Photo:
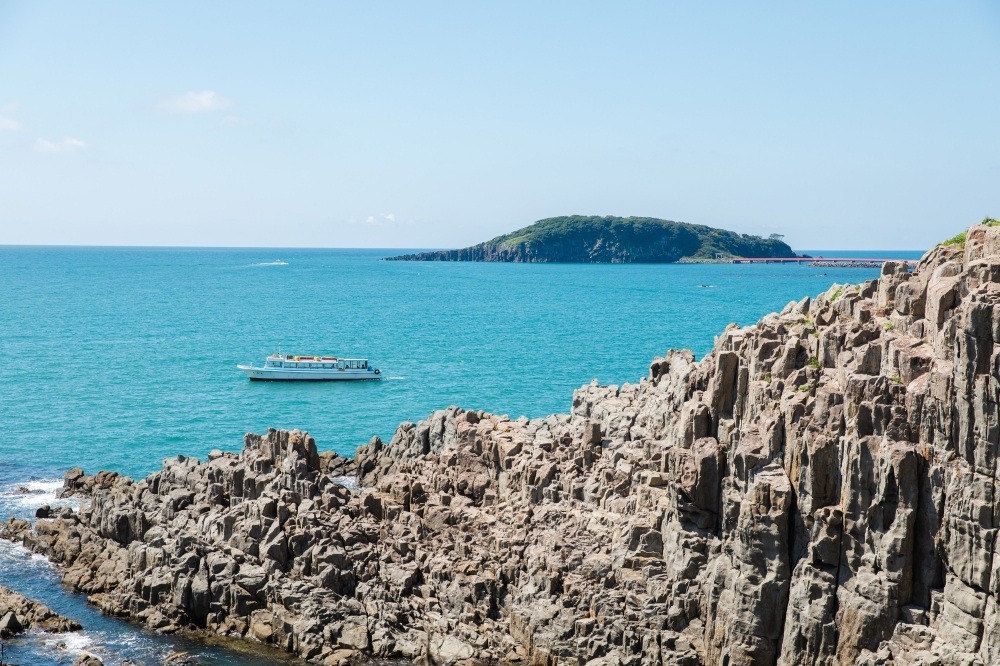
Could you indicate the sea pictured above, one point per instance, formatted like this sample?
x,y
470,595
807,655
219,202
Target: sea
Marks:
x,y
116,358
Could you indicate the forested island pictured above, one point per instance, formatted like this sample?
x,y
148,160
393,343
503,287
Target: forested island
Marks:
x,y
612,240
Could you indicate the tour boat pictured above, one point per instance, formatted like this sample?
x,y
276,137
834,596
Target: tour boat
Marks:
x,y
286,367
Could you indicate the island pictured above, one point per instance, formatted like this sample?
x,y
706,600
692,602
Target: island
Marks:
x,y
613,240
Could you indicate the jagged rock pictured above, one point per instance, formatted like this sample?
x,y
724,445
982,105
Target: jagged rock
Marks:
x,y
819,489
19,613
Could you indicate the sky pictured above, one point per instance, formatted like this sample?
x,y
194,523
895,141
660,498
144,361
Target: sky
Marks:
x,y
441,124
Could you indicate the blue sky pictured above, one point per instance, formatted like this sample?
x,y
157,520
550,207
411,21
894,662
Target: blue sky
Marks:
x,y
426,124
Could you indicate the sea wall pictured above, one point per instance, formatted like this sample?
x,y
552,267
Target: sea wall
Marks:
x,y
819,489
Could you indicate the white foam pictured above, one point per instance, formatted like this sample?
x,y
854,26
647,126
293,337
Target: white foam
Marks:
x,y
395,378
349,482
47,486
35,562
73,641
33,494
276,262
14,549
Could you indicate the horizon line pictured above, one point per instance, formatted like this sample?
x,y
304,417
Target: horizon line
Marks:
x,y
296,247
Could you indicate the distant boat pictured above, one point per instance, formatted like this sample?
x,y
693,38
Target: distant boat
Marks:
x,y
276,262
288,367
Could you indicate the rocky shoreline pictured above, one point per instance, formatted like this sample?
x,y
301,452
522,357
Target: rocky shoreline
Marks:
x,y
19,614
819,489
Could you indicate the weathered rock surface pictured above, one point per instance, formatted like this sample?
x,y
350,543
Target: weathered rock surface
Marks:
x,y
18,613
820,489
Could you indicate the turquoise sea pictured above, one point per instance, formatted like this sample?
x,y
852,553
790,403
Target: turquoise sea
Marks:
x,y
115,358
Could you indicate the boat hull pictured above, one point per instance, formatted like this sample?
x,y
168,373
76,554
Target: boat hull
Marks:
x,y
313,375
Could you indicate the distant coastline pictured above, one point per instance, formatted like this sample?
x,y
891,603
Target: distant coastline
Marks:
x,y
613,240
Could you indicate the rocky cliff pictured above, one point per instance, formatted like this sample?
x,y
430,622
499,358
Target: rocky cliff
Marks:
x,y
819,489
611,240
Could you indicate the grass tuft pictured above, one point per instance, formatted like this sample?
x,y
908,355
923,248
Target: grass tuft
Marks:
x,y
957,239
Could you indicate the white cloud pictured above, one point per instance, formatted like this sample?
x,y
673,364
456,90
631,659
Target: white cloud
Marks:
x,y
67,145
381,220
194,102
9,125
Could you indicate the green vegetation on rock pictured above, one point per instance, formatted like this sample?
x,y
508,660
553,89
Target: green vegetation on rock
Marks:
x,y
595,239
959,239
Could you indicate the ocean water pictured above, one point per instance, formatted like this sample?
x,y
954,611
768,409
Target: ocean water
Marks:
x,y
115,358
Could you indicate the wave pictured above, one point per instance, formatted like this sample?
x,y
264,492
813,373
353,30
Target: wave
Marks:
x,y
395,378
25,561
73,642
33,494
276,262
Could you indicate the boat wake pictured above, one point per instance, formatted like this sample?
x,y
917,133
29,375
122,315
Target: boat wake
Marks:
x,y
389,379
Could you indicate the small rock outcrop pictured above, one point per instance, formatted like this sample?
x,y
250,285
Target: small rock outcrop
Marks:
x,y
820,489
18,613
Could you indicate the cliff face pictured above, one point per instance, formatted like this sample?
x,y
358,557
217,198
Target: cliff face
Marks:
x,y
820,489
611,240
